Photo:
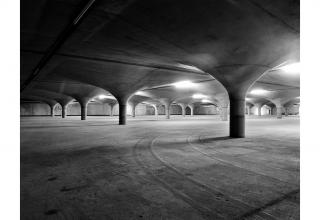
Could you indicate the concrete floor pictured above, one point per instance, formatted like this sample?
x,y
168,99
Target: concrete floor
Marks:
x,y
159,169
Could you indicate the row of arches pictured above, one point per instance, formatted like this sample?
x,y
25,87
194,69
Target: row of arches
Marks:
x,y
98,109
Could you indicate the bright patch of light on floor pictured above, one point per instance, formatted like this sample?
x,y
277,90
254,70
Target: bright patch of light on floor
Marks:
x,y
199,96
258,92
184,84
291,68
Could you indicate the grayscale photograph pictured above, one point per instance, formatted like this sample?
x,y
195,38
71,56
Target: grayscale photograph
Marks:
x,y
159,109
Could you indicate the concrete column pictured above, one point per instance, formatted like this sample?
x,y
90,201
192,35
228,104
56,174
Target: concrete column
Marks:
x,y
191,110
52,110
134,110
122,110
155,110
286,110
248,109
183,108
122,114
111,110
167,110
279,112
84,105
237,117
64,110
258,106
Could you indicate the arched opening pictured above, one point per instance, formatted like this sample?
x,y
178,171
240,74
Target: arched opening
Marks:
x,y
175,110
188,110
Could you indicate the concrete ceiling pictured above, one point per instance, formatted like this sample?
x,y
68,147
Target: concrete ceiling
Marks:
x,y
121,47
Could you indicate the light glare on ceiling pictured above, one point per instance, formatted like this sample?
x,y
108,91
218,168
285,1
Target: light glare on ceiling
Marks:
x,y
205,101
199,96
106,97
139,93
258,92
184,84
291,68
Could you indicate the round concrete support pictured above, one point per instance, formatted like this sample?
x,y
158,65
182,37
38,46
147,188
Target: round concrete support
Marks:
x,y
155,110
167,110
52,110
64,111
111,110
191,110
286,110
84,110
258,106
122,113
237,118
183,110
133,110
279,112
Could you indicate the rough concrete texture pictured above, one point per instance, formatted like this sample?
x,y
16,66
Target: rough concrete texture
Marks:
x,y
183,168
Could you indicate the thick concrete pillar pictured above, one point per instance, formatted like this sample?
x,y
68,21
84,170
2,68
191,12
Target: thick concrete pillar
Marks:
x,y
237,117
134,110
155,110
111,109
279,112
64,110
167,110
258,106
191,110
286,110
183,110
84,105
122,110
52,110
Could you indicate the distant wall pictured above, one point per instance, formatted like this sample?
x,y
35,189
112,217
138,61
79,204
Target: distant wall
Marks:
x,y
205,110
34,109
175,110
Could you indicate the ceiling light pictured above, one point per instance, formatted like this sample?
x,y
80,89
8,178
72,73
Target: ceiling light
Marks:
x,y
102,96
205,101
291,68
139,93
248,99
184,84
199,96
258,92
106,97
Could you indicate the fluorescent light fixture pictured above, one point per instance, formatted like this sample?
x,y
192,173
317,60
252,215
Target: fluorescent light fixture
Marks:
x,y
291,68
189,67
258,92
205,101
199,96
184,84
248,99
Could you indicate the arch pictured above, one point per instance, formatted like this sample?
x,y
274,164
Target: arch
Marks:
x,y
175,109
188,110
